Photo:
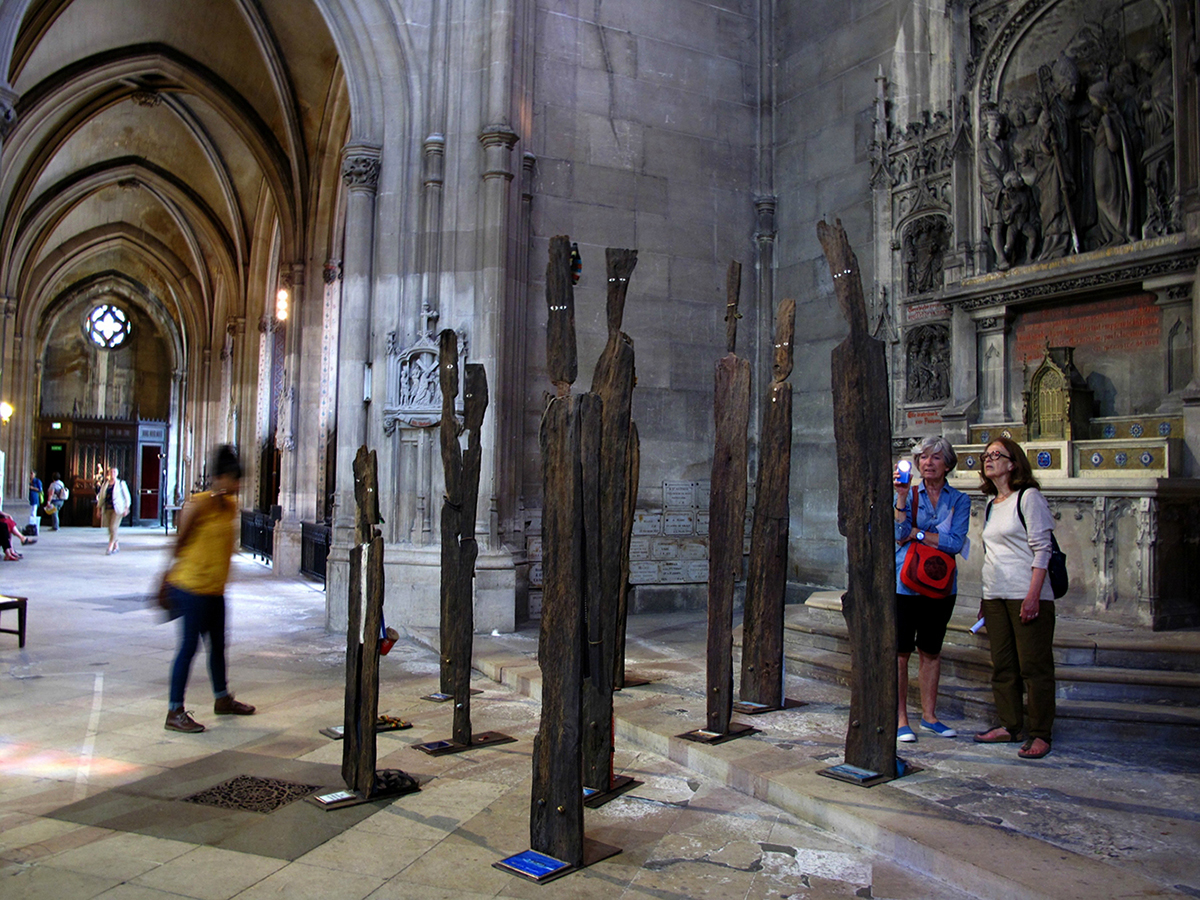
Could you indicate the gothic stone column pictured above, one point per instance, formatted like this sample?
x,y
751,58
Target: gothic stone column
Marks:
x,y
360,172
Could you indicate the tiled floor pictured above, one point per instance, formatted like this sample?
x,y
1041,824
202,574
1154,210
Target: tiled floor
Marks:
x,y
90,783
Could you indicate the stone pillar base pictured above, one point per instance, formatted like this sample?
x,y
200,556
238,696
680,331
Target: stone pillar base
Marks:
x,y
285,556
412,589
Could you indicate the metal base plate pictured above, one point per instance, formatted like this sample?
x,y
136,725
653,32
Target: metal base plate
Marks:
x,y
540,868
594,798
441,697
745,707
338,799
865,777
703,736
383,723
633,679
482,739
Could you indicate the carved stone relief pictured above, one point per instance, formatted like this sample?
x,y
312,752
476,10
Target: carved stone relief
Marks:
x,y
928,364
925,243
414,394
1075,134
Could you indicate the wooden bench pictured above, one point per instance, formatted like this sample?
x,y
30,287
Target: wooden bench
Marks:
x,y
17,603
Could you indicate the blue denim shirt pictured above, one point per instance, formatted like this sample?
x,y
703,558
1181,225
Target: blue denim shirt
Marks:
x,y
951,519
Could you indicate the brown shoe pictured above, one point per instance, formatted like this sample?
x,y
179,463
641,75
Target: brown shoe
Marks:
x,y
227,706
181,720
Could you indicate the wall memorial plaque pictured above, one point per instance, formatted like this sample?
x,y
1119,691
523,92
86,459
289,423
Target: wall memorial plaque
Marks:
x,y
679,494
639,548
703,494
643,572
646,522
672,571
692,549
697,571
677,522
702,522
664,548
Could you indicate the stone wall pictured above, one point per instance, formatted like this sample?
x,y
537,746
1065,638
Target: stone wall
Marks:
x,y
644,118
828,54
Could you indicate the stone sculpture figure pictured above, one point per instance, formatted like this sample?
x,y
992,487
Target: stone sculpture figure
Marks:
x,y
766,583
1112,169
1056,150
612,383
995,163
727,515
459,549
861,416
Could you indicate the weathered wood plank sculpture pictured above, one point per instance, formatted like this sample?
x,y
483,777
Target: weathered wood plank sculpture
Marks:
x,y
862,433
766,584
556,807
362,632
632,474
459,548
612,384
727,516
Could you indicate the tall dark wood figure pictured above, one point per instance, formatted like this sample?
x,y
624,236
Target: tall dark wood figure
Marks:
x,y
612,383
633,469
459,548
727,515
862,433
766,584
362,632
556,804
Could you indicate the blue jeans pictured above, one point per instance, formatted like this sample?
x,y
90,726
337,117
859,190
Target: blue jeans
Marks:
x,y
198,614
58,505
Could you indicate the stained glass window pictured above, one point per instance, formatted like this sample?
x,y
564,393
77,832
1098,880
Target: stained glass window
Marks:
x,y
107,326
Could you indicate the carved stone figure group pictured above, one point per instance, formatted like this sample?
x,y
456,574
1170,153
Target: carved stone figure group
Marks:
x,y
1083,161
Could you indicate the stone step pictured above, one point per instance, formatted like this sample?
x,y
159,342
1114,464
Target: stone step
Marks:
x,y
1159,697
1076,643
1080,681
959,699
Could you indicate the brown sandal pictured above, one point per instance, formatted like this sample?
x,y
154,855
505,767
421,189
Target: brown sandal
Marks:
x,y
997,735
1027,751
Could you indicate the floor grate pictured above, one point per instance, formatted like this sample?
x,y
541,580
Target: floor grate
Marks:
x,y
252,794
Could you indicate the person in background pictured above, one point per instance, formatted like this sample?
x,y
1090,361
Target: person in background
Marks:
x,y
193,588
35,497
114,503
57,497
937,515
9,530
1018,603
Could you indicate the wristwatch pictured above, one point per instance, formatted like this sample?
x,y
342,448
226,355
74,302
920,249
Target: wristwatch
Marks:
x,y
921,536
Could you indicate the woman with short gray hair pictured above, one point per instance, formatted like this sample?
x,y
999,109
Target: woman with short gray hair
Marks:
x,y
930,516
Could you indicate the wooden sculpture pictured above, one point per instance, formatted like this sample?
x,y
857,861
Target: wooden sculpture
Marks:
x,y
862,435
556,807
762,628
607,455
727,518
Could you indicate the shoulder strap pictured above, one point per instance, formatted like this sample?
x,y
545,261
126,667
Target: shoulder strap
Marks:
x,y
1020,512
912,505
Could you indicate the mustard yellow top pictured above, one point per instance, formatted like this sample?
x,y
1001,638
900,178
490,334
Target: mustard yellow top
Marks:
x,y
201,565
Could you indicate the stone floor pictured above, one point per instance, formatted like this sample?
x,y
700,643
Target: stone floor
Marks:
x,y
91,786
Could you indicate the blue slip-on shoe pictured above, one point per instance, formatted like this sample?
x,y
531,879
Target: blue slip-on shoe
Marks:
x,y
939,729
905,735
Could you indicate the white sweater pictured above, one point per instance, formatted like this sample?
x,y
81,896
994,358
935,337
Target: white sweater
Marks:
x,y
1009,553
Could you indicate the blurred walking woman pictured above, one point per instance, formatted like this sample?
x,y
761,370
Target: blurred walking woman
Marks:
x,y
935,515
194,585
1018,603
